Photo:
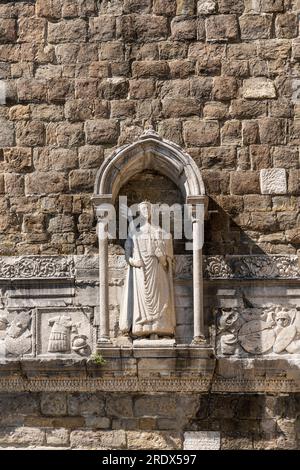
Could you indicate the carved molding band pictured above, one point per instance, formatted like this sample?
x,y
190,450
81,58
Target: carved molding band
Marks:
x,y
252,267
148,385
36,267
215,267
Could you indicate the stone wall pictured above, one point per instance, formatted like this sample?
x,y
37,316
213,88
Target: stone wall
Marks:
x,y
219,78
135,421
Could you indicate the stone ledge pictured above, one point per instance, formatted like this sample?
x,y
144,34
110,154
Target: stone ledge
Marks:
x,y
184,371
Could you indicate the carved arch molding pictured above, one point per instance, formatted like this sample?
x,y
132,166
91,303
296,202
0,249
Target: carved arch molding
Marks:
x,y
151,152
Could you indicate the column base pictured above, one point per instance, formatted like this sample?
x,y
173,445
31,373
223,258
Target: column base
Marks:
x,y
200,341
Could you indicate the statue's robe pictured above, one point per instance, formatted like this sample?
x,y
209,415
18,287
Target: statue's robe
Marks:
x,y
148,302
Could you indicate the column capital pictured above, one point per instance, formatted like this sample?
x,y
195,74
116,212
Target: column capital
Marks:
x,y
200,200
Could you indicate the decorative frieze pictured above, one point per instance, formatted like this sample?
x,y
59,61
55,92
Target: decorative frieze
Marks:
x,y
36,267
252,267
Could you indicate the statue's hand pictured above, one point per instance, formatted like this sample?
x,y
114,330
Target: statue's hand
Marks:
x,y
136,263
163,261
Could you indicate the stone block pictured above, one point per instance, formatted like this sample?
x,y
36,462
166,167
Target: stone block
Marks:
x,y
260,157
201,133
294,182
86,404
61,223
206,7
286,25
57,437
22,436
155,406
255,26
158,440
7,30
185,7
45,183
259,88
101,131
231,6
82,180
54,404
78,110
103,28
164,7
148,69
14,184
273,181
183,29
221,28
271,6
49,8
245,182
120,406
65,134
224,88
231,133
180,107
136,6
31,30
30,134
272,131
31,90
98,439
90,156
60,159
74,30
7,135
141,89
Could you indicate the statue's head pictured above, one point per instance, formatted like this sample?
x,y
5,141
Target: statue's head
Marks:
x,y
145,209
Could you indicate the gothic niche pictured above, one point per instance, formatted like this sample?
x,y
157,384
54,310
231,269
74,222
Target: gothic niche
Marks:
x,y
142,296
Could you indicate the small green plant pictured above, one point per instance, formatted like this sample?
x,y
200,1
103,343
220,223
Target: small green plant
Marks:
x,y
98,359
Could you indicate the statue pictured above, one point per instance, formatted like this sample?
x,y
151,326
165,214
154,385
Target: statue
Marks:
x,y
148,304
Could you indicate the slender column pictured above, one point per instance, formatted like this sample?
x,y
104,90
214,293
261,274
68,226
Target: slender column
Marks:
x,y
198,236
103,281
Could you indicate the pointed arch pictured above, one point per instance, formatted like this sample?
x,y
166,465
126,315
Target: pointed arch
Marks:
x,y
150,152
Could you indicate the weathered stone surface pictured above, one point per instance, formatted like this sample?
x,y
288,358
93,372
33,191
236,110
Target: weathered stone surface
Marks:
x,y
30,134
45,183
245,182
103,28
18,159
98,439
67,31
153,440
255,26
7,133
101,131
273,181
257,88
221,28
53,404
201,133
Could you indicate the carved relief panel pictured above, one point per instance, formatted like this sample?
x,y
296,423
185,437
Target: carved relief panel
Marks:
x,y
270,330
64,332
17,330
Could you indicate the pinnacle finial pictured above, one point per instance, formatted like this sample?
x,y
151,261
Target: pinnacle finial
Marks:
x,y
150,132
